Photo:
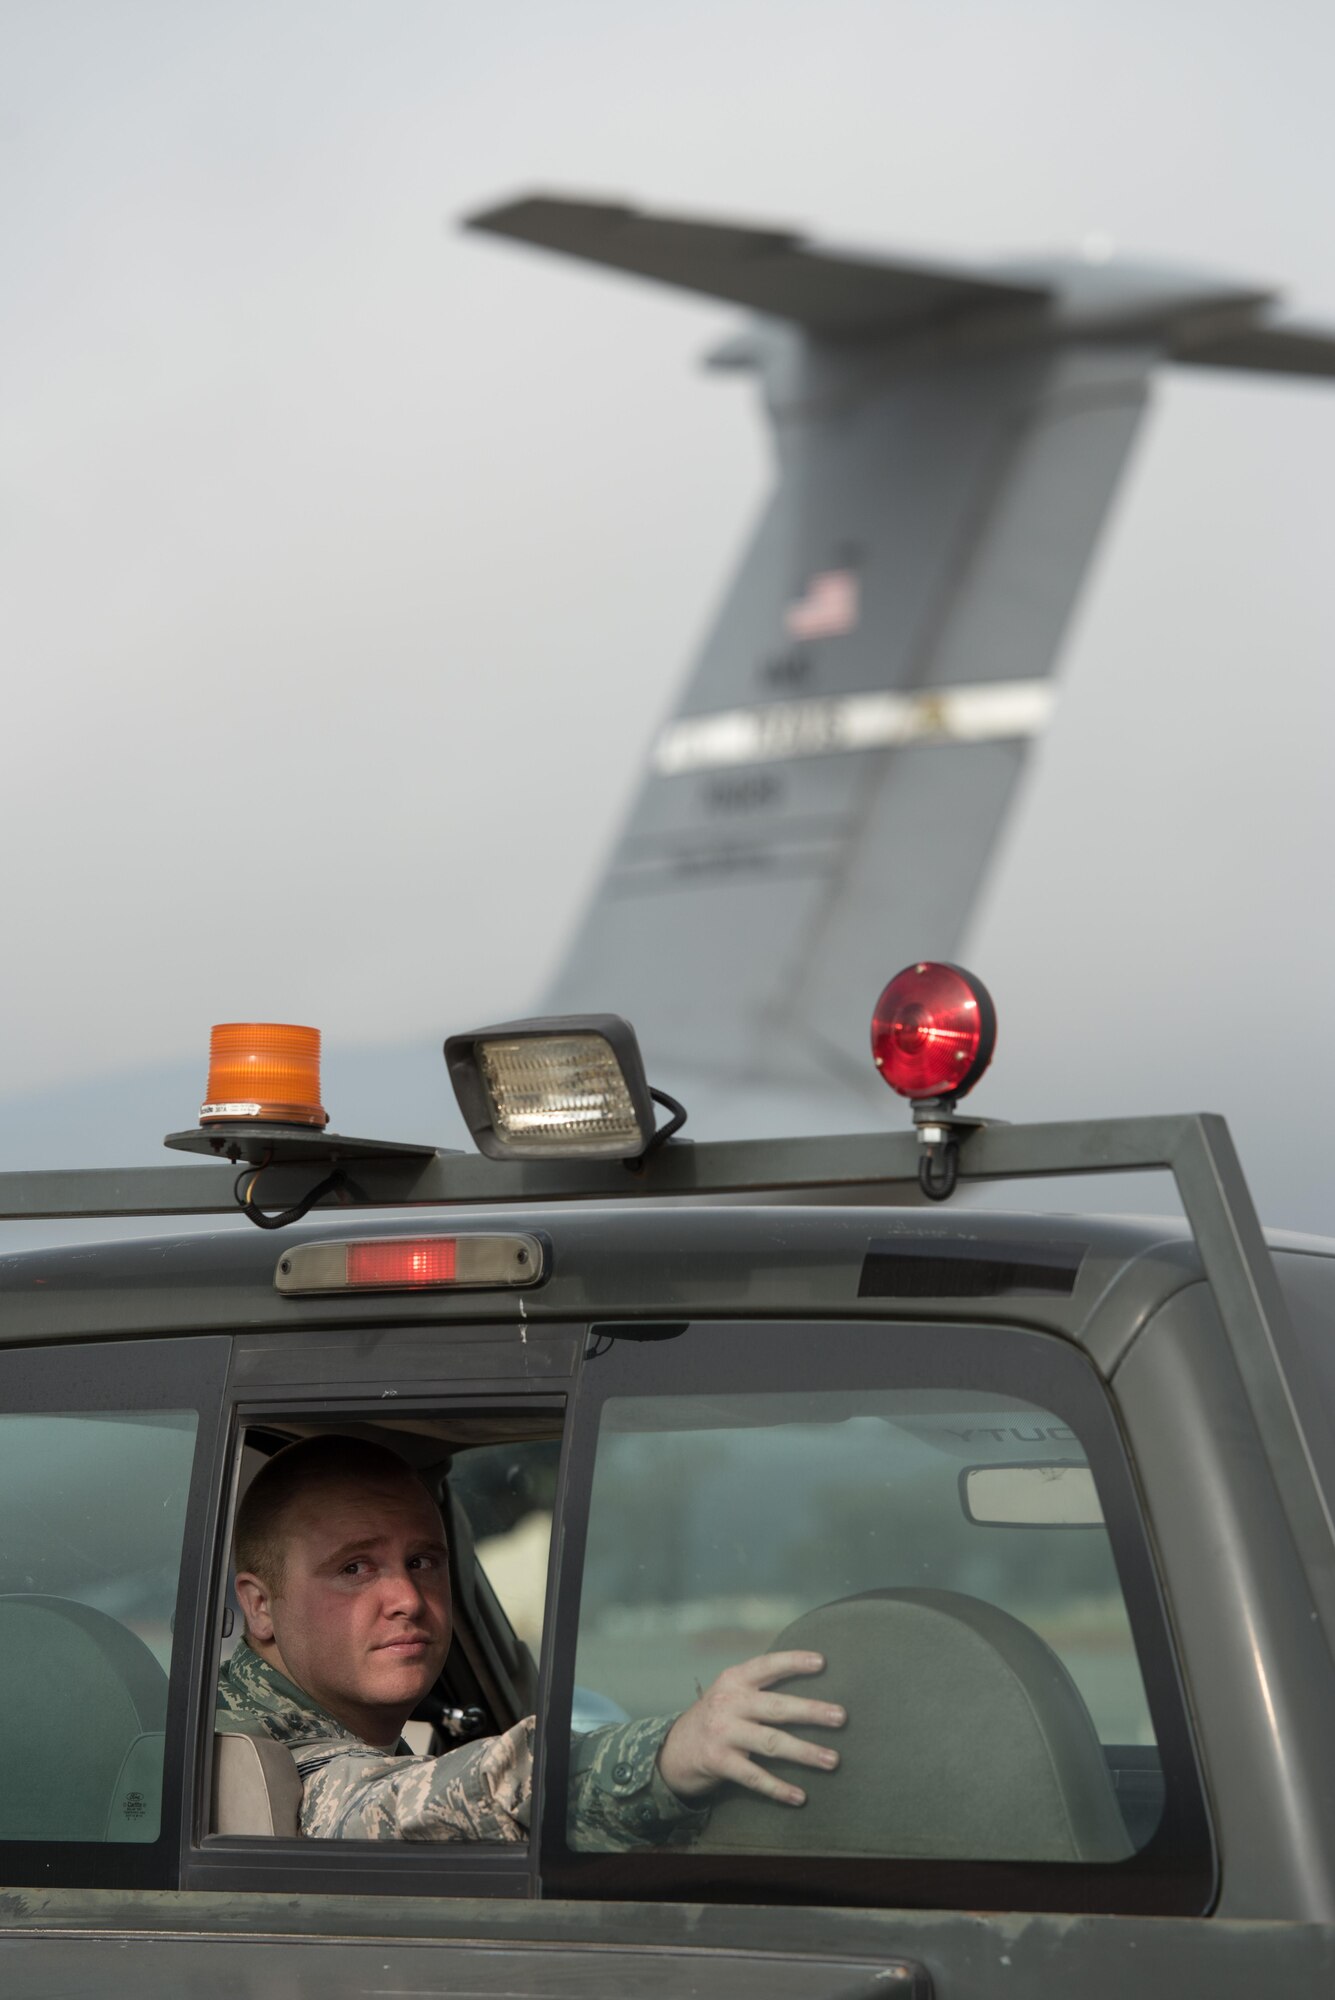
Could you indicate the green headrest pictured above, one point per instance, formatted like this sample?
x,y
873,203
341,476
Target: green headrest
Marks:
x,y
78,1692
966,1739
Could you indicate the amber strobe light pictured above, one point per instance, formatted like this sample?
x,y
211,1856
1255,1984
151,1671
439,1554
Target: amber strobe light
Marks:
x,y
933,1031
264,1070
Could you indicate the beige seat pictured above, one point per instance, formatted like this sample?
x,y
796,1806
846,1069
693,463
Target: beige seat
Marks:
x,y
966,1739
256,1788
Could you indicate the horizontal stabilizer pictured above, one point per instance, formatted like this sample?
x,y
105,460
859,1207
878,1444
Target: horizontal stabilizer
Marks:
x,y
766,270
1268,350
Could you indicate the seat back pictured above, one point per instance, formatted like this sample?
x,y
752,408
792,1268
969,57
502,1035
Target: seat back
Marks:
x,y
83,1706
256,1785
966,1739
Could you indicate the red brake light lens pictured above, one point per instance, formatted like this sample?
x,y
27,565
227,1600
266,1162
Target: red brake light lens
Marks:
x,y
432,1261
478,1259
933,1031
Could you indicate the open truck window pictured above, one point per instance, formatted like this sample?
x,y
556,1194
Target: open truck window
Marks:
x,y
490,1472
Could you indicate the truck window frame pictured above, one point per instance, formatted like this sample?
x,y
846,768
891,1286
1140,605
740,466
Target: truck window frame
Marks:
x,y
301,1866
131,1376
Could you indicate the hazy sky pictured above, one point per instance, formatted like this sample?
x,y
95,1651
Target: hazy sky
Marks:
x,y
347,563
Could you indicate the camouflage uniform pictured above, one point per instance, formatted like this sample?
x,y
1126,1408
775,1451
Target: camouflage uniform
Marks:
x,y
481,1792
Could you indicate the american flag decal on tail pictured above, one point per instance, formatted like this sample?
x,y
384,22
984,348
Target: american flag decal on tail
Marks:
x,y
827,607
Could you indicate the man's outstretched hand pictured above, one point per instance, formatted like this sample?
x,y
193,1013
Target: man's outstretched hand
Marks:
x,y
738,1718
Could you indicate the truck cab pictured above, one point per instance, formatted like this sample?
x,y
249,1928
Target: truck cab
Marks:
x,y
1049,1494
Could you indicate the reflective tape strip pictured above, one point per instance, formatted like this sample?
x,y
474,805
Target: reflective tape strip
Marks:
x,y
992,711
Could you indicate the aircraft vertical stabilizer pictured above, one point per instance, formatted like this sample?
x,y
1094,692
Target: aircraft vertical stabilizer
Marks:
x,y
822,804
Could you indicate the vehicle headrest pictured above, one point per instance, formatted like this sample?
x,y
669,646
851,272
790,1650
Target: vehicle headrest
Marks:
x,y
77,1692
966,1739
256,1784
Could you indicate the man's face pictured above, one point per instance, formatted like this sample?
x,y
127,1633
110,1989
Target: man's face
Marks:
x,y
361,1616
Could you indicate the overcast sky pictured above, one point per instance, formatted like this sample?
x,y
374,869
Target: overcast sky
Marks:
x,y
347,563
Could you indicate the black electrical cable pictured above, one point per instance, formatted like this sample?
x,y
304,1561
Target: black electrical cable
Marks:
x,y
938,1171
280,1218
664,1132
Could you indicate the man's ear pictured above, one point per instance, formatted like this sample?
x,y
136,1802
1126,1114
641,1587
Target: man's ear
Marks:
x,y
256,1605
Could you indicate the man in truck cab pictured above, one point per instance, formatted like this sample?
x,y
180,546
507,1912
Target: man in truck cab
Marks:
x,y
343,1577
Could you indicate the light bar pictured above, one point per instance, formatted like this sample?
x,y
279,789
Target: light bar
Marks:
x,y
411,1264
564,1087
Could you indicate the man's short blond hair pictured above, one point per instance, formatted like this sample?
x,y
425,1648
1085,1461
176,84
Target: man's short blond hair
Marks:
x,y
312,1464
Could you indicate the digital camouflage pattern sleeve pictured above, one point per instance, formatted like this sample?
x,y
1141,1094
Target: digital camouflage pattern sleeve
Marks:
x,y
479,1792
353,1791
618,1797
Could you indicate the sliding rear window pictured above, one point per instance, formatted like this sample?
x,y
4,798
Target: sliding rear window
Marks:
x,y
943,1513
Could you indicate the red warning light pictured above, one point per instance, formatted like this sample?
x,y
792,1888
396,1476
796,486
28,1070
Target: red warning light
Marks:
x,y
398,1264
933,1031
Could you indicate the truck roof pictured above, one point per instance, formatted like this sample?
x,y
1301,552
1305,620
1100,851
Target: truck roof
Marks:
x,y
1092,1279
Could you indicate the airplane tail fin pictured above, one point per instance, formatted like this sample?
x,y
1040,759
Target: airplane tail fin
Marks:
x,y
822,805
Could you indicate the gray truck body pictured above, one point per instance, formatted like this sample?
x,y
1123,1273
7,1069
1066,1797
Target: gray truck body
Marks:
x,y
1208,1348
